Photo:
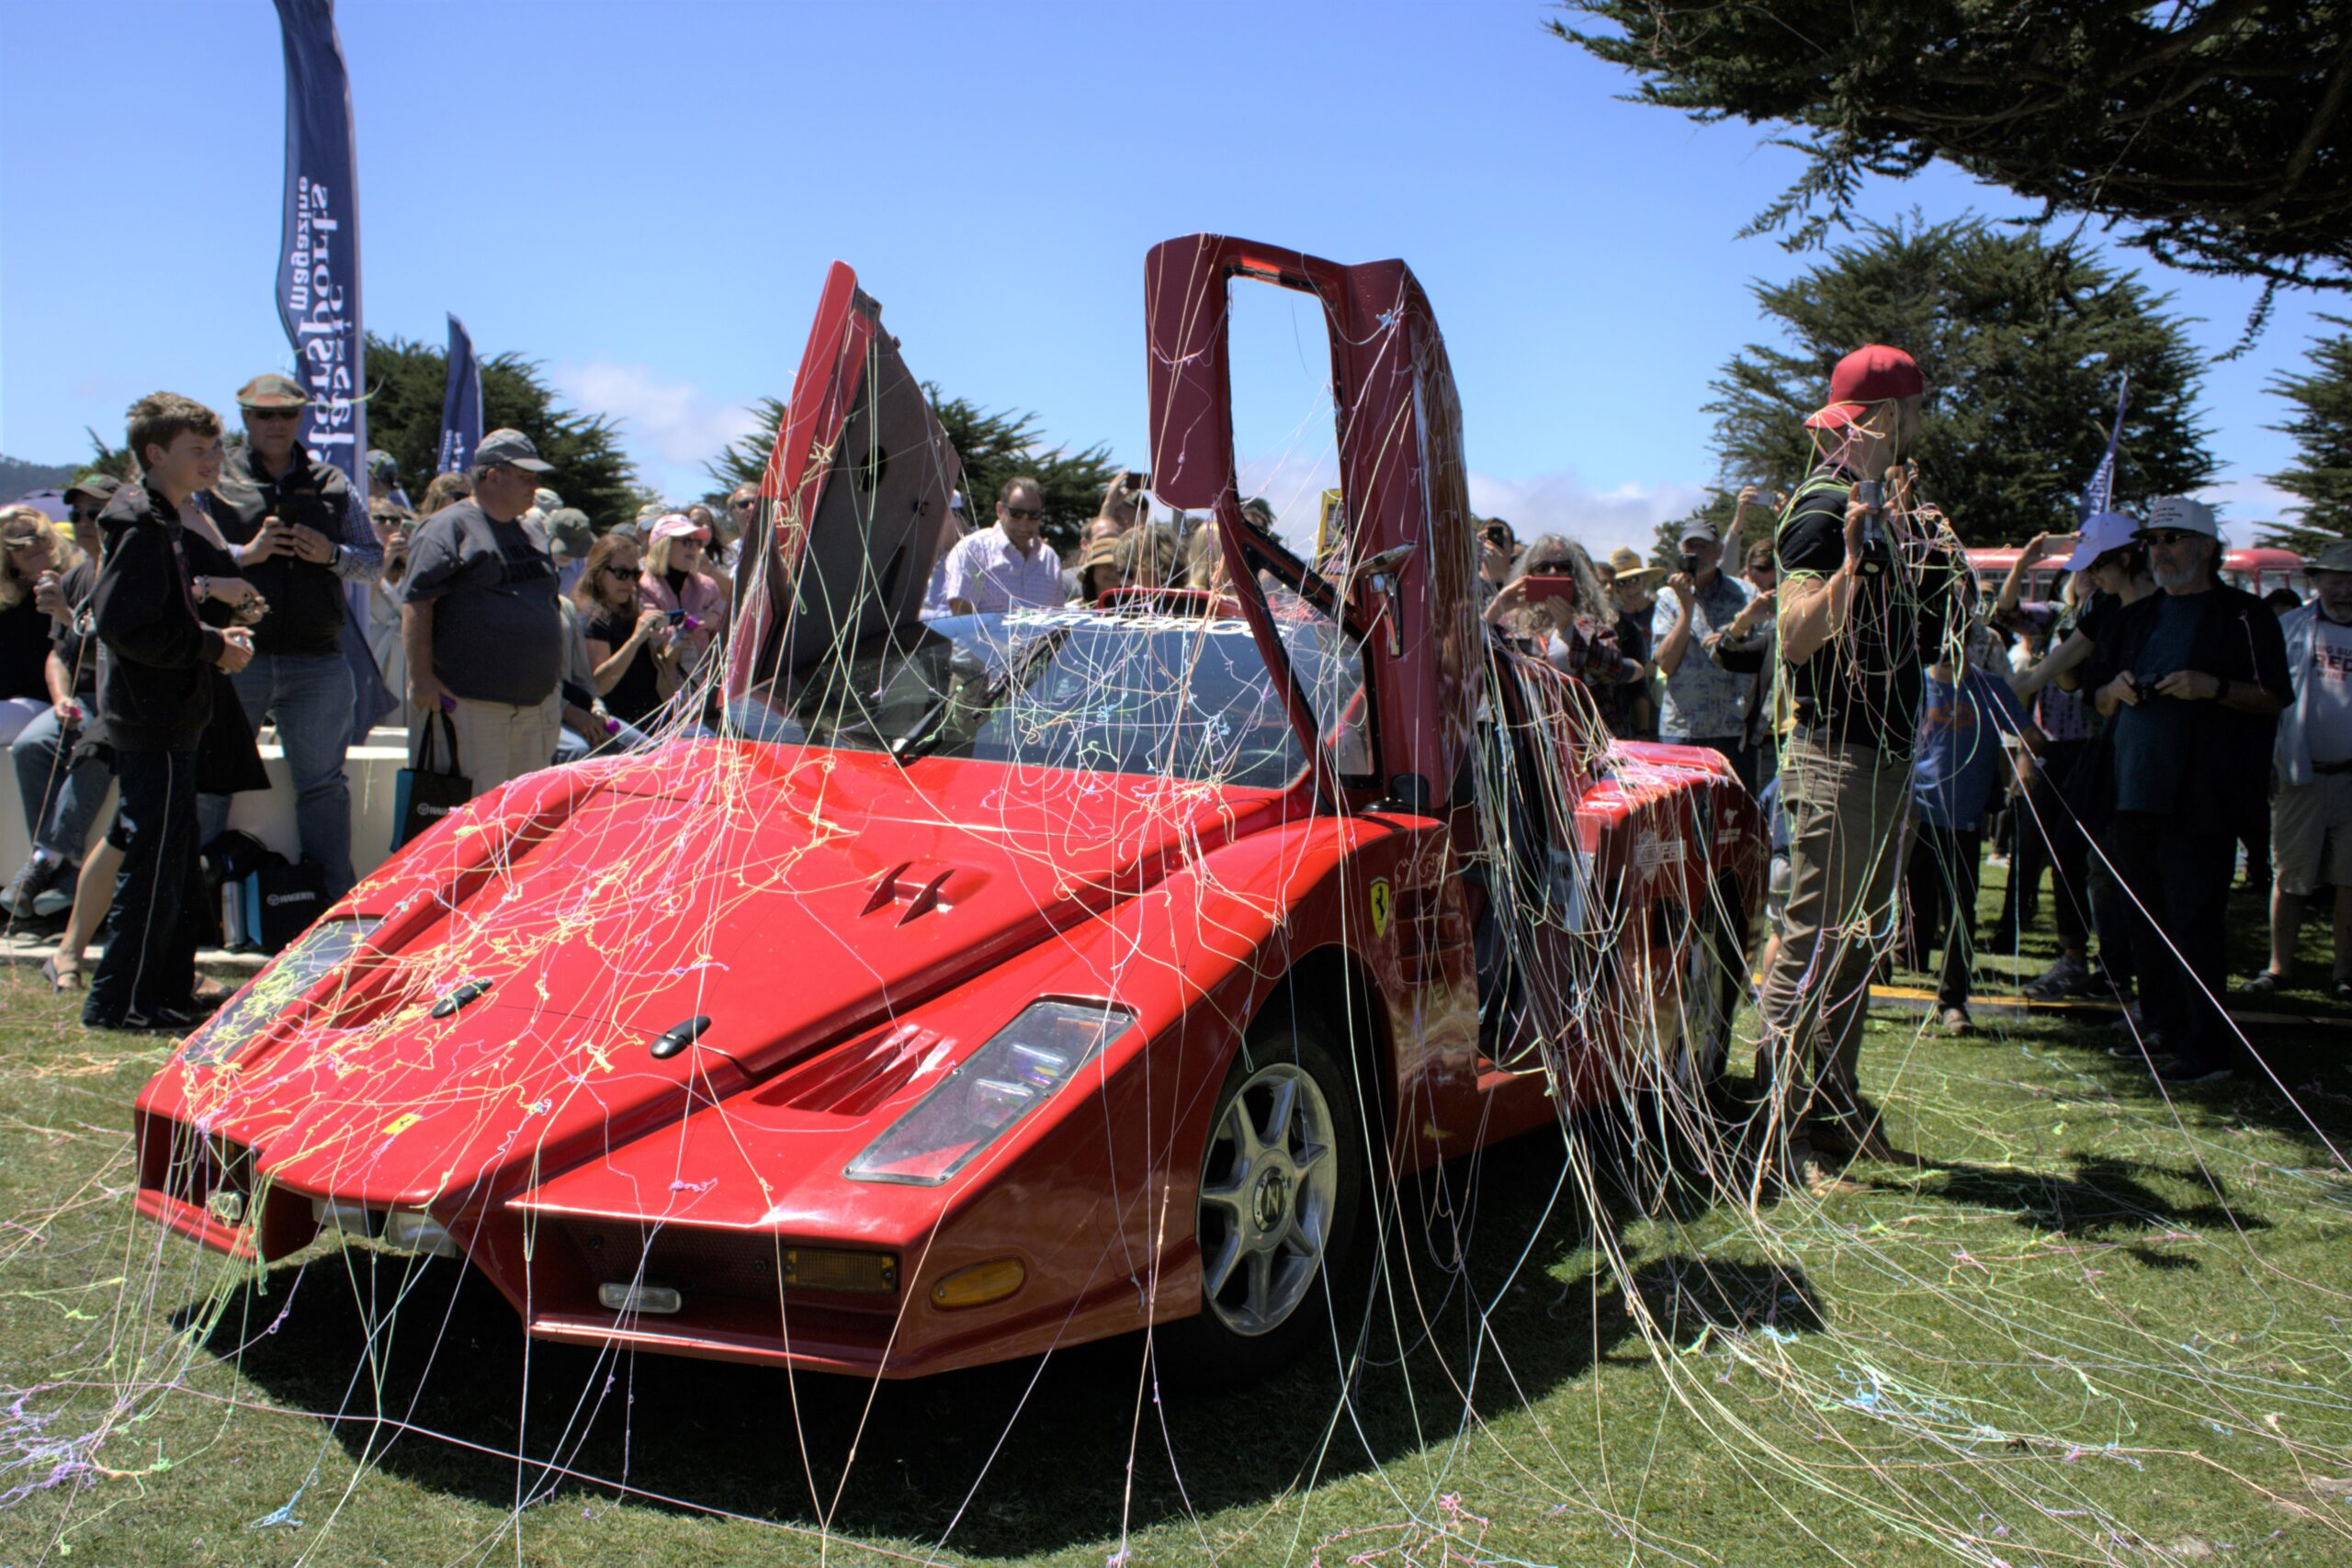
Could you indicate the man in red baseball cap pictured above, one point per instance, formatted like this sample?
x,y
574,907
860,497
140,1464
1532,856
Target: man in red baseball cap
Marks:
x,y
1868,375
1866,603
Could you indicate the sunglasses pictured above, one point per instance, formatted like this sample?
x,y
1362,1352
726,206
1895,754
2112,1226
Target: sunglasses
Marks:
x,y
611,571
1026,514
273,413
1547,566
85,515
743,504
2169,536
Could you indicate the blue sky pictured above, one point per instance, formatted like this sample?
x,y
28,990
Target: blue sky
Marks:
x,y
645,197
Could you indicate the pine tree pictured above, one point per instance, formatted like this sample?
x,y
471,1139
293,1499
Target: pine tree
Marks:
x,y
994,448
2021,343
2214,131
2321,427
406,382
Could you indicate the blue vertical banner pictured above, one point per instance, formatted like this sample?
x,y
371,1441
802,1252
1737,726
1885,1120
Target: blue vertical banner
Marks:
x,y
461,404
318,251
2099,494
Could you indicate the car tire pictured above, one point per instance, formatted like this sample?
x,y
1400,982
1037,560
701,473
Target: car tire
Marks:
x,y
1278,1212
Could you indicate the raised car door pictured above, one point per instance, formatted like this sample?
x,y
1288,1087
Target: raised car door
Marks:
x,y
854,506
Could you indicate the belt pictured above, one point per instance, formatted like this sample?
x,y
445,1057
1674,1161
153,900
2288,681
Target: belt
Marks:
x,y
2343,767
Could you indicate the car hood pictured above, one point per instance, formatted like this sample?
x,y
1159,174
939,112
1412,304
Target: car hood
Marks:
x,y
789,897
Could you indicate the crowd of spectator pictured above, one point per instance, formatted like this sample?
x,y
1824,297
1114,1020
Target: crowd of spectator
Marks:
x,y
2119,735
227,588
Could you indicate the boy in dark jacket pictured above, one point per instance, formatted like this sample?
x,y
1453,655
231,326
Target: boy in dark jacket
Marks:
x,y
154,698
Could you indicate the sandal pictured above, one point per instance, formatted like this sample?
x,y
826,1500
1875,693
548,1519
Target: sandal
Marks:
x,y
62,973
210,993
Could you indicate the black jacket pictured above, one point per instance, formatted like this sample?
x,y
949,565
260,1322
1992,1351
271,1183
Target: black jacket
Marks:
x,y
2224,761
155,655
306,602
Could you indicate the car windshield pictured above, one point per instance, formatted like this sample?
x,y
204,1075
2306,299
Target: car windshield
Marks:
x,y
1170,696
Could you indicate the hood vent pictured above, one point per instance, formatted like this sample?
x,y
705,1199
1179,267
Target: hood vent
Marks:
x,y
852,1080
896,886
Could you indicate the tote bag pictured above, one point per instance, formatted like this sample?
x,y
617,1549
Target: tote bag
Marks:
x,y
428,792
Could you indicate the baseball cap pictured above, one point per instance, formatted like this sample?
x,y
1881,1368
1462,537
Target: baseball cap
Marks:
x,y
98,489
1872,373
380,464
546,501
271,391
2337,557
2177,512
1699,528
2102,532
510,446
568,527
678,525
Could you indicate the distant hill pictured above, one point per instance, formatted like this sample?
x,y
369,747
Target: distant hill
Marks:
x,y
18,477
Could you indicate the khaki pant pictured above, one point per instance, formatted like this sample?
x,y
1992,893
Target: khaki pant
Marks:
x,y
498,741
1846,806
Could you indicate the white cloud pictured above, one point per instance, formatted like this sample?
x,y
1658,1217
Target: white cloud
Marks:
x,y
1599,520
669,428
2246,506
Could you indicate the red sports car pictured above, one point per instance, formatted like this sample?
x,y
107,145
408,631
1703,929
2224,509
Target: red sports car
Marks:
x,y
998,981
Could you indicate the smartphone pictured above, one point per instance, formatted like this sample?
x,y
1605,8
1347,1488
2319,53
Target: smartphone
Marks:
x,y
674,617
1544,585
1135,480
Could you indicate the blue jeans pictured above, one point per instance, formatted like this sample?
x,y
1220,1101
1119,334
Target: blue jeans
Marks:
x,y
309,699
61,801
149,961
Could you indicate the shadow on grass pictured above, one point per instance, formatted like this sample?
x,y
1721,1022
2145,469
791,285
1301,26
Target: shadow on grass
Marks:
x,y
2098,1197
1024,1458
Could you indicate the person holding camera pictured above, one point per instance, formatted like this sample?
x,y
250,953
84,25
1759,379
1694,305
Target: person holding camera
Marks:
x,y
1705,703
2192,679
300,533
1498,555
1865,606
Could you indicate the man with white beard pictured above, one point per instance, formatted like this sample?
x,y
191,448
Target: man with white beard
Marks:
x,y
2191,679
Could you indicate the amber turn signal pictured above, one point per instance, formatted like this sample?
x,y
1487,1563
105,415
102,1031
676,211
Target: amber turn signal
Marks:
x,y
979,1284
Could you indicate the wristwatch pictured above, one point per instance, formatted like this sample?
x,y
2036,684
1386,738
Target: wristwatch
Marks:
x,y
202,587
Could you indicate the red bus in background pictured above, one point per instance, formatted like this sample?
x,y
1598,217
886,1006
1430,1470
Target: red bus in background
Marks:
x,y
2258,571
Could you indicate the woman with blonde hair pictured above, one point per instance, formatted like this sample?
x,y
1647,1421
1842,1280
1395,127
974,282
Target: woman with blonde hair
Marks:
x,y
34,559
676,582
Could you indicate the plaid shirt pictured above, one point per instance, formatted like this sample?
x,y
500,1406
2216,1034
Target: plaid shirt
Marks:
x,y
1704,701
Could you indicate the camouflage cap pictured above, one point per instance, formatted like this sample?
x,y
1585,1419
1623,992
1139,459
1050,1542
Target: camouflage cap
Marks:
x,y
569,528
271,391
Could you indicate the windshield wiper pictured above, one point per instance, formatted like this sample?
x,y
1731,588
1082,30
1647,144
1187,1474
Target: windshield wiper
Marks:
x,y
927,729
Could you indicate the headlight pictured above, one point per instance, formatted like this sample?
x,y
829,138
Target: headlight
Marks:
x,y
279,986
993,1089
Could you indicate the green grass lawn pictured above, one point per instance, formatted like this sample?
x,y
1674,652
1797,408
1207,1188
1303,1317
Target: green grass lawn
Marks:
x,y
2074,1324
